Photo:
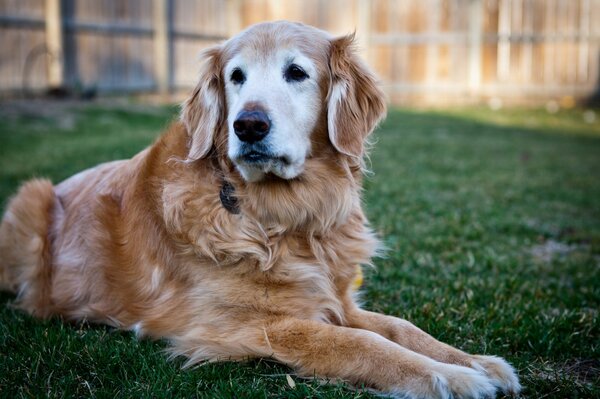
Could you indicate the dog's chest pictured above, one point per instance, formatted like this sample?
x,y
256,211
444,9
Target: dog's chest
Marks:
x,y
293,288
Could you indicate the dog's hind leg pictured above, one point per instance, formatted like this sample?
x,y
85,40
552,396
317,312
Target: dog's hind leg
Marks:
x,y
25,248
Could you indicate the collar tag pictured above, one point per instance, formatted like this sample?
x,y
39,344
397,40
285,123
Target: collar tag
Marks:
x,y
228,199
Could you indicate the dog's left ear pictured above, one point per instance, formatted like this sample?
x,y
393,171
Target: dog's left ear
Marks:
x,y
203,112
355,102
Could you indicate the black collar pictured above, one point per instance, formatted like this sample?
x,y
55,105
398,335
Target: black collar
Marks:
x,y
228,199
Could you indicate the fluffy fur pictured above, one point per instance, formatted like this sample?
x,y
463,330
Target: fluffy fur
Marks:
x,y
145,244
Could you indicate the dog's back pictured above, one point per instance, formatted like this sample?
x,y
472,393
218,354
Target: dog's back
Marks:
x,y
50,236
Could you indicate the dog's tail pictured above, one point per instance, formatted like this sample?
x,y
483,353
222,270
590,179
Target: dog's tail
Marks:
x,y
25,247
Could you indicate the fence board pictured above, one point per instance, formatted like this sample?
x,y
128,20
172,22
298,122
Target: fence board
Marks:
x,y
520,49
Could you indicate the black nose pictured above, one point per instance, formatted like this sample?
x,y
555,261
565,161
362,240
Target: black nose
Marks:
x,y
251,126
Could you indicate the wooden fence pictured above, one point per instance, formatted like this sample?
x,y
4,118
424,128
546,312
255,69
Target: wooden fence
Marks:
x,y
424,50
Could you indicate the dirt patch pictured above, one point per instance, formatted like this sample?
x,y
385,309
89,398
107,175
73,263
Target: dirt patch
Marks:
x,y
552,249
581,371
58,109
38,108
587,370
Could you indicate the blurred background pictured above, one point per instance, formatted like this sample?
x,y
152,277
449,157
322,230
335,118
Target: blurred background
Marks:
x,y
426,51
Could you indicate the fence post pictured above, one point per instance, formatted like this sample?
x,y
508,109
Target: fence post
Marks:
x,y
584,41
162,53
474,42
54,43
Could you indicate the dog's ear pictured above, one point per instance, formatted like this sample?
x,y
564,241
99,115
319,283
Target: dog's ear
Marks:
x,y
355,102
203,112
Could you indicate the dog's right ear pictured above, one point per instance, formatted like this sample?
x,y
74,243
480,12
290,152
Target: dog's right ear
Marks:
x,y
203,112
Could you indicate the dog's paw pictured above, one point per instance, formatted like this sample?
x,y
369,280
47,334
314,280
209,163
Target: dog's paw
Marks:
x,y
463,382
449,381
502,374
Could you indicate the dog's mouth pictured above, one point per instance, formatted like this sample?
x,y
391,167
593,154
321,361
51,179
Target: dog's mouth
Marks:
x,y
257,161
254,157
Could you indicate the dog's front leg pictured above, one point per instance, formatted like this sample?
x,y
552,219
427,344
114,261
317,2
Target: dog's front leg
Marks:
x,y
411,337
365,358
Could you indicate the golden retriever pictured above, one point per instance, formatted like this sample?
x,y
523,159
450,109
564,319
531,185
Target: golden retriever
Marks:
x,y
239,232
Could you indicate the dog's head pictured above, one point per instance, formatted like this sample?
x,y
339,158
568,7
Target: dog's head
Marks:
x,y
271,90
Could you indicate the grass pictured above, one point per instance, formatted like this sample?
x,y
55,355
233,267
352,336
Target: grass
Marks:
x,y
492,220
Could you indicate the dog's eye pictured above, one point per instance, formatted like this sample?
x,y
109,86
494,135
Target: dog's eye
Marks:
x,y
295,74
237,76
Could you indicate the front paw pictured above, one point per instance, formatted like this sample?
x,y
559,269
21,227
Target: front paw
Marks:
x,y
446,381
502,374
463,382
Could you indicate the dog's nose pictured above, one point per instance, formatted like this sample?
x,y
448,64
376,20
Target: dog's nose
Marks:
x,y
251,126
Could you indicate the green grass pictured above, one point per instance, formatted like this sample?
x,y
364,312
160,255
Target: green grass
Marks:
x,y
492,220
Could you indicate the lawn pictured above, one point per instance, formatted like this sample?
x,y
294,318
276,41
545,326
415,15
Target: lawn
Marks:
x,y
491,219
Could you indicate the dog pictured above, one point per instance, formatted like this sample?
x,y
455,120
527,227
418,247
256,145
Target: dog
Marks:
x,y
239,233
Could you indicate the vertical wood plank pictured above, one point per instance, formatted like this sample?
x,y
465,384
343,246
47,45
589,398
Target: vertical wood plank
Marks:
x,y
549,47
363,27
527,48
54,43
584,38
474,43
234,20
431,58
393,67
516,19
571,46
504,28
276,9
161,45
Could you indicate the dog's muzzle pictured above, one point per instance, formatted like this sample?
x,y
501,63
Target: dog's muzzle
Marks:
x,y
256,151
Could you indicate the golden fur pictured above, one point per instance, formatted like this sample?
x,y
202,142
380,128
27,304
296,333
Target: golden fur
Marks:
x,y
145,244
